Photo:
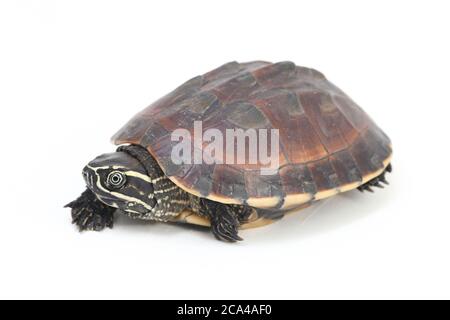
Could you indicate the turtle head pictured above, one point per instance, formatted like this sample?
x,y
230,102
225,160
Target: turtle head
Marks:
x,y
120,181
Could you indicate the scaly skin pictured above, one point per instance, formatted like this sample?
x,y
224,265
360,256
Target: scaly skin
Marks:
x,y
89,213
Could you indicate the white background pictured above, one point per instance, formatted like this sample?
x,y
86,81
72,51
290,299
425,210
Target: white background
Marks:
x,y
73,72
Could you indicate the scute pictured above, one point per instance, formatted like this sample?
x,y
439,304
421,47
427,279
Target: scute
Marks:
x,y
328,144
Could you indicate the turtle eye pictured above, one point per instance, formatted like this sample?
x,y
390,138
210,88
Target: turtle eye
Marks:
x,y
116,180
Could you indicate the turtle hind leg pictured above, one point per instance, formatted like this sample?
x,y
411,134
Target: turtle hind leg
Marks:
x,y
89,213
377,182
224,220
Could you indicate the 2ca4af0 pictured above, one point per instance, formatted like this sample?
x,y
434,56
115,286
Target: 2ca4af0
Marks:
x,y
246,310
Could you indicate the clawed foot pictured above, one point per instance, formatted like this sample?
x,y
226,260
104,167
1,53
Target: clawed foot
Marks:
x,y
376,182
224,221
89,213
225,228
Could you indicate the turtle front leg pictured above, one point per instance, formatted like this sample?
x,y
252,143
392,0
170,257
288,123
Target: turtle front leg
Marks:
x,y
89,213
224,220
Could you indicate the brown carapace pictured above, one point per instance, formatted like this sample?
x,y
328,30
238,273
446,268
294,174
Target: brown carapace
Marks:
x,y
328,144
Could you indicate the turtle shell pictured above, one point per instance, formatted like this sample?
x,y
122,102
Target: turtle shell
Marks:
x,y
327,143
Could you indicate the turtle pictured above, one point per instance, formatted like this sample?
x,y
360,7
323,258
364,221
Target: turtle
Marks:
x,y
326,145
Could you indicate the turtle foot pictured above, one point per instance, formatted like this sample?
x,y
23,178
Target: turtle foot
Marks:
x,y
377,182
225,230
89,213
224,221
